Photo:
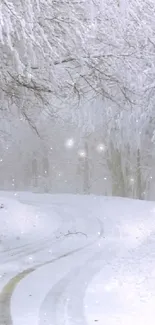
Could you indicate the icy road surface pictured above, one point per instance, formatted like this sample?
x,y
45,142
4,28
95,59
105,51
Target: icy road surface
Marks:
x,y
71,260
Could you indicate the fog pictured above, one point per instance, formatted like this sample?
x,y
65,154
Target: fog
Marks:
x,y
77,97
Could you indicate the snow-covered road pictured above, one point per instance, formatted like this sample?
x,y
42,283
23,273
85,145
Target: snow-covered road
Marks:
x,y
88,260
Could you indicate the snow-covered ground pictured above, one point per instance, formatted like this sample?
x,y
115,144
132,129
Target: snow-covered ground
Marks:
x,y
68,260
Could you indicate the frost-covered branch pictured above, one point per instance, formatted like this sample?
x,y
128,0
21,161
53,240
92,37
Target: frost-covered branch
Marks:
x,y
45,40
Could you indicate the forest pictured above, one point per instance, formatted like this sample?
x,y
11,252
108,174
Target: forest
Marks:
x,y
77,92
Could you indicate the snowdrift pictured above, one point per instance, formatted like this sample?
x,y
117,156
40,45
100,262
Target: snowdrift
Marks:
x,y
19,221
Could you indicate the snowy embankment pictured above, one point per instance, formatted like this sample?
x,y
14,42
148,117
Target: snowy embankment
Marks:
x,y
24,229
88,259
17,221
23,226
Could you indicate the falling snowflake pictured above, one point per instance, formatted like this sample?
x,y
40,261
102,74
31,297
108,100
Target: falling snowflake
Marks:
x,y
82,153
101,147
69,143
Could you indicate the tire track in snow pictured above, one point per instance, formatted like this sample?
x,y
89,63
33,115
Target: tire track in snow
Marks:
x,y
38,245
44,244
5,295
19,249
64,304
70,253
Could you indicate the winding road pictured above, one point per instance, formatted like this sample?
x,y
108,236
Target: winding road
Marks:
x,y
52,286
57,261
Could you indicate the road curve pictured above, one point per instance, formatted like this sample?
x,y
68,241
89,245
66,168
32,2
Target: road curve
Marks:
x,y
55,292
34,288
67,242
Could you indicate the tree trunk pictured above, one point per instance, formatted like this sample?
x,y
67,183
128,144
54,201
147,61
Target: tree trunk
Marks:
x,y
35,172
86,180
46,173
139,177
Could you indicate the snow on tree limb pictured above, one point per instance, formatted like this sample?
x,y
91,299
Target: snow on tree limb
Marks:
x,y
65,50
40,35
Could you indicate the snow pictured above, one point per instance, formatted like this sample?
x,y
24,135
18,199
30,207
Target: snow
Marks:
x,y
89,259
20,220
69,143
